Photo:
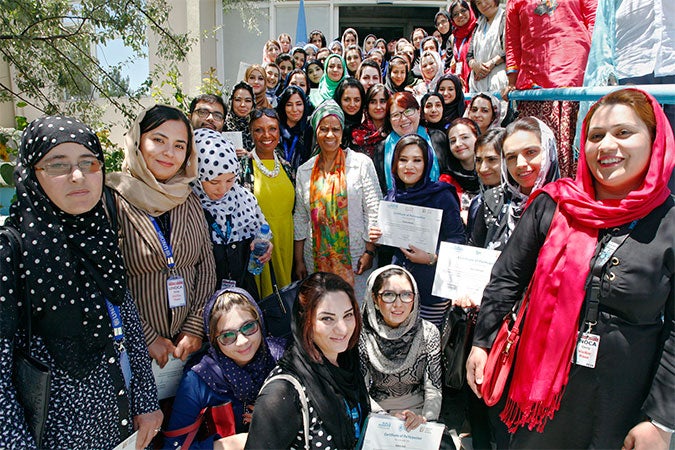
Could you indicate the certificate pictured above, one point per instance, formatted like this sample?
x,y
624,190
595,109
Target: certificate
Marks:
x,y
234,137
385,432
463,270
168,378
405,225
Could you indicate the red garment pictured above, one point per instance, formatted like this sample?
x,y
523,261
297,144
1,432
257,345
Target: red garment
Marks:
x,y
557,288
463,37
547,41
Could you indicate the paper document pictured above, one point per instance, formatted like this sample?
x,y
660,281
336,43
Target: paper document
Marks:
x,y
387,432
405,225
235,138
463,270
168,378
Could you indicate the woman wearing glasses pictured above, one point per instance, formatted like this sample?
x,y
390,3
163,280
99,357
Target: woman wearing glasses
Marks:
x,y
271,179
238,116
163,234
400,352
232,369
410,172
403,117
75,274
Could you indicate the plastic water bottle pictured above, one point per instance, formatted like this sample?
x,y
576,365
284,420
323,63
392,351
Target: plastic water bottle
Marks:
x,y
260,245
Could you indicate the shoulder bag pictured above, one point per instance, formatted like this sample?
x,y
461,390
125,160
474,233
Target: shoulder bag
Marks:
x,y
502,354
456,338
304,405
32,377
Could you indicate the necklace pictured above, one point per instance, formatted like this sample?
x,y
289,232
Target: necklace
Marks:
x,y
268,173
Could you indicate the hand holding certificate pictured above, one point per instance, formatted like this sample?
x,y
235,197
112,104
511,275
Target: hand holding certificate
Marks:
x,y
463,270
405,225
168,378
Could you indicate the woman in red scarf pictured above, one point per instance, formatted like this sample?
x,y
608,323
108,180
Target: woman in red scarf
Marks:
x,y
463,23
618,217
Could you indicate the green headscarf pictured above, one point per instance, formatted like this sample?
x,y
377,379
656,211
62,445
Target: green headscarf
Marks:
x,y
327,108
327,86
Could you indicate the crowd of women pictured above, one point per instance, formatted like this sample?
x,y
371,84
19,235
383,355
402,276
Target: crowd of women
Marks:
x,y
112,271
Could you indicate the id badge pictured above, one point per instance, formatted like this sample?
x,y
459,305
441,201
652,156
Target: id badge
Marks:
x,y
175,287
226,284
587,350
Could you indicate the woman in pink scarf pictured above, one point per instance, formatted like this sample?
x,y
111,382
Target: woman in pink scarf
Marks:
x,y
617,218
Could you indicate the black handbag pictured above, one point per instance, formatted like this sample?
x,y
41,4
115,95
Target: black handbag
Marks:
x,y
32,377
277,308
456,341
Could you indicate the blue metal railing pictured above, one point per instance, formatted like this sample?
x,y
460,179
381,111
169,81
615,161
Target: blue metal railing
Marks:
x,y
664,93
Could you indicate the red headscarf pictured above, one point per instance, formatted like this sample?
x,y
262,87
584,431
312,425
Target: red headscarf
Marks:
x,y
557,287
463,39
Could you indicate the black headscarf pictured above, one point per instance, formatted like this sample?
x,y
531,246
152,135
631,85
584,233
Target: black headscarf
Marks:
x,y
456,108
71,263
328,386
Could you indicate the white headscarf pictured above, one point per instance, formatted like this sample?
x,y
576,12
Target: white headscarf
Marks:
x,y
217,156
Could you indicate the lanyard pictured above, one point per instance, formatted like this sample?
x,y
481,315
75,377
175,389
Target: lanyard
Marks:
x,y
608,245
228,229
355,415
118,335
288,153
166,248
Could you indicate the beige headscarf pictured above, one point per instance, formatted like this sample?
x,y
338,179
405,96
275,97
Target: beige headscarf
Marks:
x,y
139,186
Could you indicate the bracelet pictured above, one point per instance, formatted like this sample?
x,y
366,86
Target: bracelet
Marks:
x,y
370,252
432,259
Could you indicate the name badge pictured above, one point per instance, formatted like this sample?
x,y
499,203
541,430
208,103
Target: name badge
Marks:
x,y
225,284
175,287
587,350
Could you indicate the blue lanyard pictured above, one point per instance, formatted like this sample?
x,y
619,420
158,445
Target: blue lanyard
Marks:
x,y
118,335
355,414
288,154
165,244
219,231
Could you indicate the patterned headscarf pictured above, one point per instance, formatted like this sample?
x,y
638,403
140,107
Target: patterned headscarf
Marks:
x,y
222,374
217,156
71,263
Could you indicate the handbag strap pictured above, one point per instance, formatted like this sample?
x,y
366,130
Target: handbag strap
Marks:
x,y
303,400
189,430
16,247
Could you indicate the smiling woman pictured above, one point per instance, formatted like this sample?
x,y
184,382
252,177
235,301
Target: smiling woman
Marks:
x,y
400,352
70,272
324,359
155,206
336,201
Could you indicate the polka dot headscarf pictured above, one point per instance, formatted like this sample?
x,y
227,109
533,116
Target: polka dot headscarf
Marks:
x,y
217,156
70,263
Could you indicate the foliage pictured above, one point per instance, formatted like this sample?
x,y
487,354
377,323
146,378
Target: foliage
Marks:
x,y
48,44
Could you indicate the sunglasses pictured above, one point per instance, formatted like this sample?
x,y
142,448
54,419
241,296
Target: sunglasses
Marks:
x,y
391,296
230,336
269,112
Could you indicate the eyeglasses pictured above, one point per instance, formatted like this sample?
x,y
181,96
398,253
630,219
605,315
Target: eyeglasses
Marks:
x,y
391,296
398,115
269,112
230,336
204,113
57,169
442,21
